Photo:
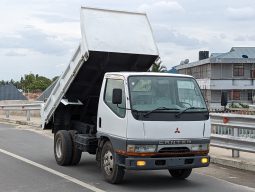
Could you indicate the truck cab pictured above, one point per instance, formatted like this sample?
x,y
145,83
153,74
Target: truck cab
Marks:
x,y
152,121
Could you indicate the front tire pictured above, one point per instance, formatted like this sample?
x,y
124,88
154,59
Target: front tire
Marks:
x,y
180,173
63,147
112,172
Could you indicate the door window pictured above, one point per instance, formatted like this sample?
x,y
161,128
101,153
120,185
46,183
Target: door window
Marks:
x,y
115,84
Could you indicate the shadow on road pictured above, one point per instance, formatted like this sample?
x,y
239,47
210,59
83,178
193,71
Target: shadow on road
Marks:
x,y
136,180
154,180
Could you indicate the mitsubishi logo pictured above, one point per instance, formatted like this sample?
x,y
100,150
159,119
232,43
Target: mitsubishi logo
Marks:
x,y
177,130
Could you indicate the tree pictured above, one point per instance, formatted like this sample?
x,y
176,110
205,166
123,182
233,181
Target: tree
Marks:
x,y
54,78
157,67
30,83
2,82
41,83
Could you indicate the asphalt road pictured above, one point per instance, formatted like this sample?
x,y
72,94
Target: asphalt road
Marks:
x,y
27,164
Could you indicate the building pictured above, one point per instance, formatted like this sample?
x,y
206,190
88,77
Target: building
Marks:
x,y
232,72
10,92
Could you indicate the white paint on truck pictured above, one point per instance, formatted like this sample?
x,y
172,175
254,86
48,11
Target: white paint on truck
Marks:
x,y
103,31
129,120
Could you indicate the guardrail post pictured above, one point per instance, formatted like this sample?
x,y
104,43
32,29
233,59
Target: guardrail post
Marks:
x,y
7,113
235,153
28,115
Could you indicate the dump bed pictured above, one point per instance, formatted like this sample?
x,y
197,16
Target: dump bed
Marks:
x,y
112,41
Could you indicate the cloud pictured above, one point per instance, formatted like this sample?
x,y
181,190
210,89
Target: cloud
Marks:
x,y
164,34
172,54
242,13
35,40
14,53
245,38
162,6
181,29
223,36
161,11
55,18
61,65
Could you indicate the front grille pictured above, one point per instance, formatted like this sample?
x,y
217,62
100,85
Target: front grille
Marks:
x,y
174,150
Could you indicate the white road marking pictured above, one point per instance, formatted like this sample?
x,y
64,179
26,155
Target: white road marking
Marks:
x,y
82,183
69,178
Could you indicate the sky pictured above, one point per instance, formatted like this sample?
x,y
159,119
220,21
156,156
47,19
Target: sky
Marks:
x,y
40,36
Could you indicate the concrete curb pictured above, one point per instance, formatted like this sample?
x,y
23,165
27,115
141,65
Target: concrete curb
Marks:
x,y
20,122
235,163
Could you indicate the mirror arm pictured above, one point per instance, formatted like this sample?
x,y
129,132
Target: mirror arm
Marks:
x,y
123,107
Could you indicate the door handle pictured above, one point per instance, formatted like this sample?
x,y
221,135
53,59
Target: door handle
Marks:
x,y
100,122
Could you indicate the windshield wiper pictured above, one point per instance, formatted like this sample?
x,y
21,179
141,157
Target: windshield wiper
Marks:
x,y
159,109
183,111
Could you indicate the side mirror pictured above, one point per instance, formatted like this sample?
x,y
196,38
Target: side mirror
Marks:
x,y
224,98
117,96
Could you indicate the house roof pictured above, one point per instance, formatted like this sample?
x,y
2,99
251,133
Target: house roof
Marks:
x,y
10,92
238,53
235,55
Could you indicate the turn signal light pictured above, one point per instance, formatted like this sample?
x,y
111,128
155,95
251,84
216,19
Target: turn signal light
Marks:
x,y
204,160
141,163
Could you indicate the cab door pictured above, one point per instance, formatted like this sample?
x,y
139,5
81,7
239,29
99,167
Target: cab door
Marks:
x,y
112,119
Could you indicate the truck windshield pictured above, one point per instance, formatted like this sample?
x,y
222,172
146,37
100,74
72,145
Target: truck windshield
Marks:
x,y
171,94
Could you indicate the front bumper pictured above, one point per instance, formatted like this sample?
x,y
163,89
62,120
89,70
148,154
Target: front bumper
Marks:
x,y
166,163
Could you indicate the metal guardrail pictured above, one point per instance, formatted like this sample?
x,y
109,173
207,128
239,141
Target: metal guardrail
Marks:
x,y
243,111
230,131
21,107
233,131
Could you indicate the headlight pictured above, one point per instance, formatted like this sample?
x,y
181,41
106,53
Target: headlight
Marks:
x,y
141,148
199,147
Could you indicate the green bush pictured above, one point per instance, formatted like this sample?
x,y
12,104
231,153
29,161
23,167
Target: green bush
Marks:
x,y
244,105
234,105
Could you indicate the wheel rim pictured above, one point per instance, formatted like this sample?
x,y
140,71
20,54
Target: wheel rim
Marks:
x,y
59,148
108,163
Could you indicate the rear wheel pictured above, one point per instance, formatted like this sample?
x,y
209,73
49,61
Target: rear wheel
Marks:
x,y
63,147
180,173
111,171
76,153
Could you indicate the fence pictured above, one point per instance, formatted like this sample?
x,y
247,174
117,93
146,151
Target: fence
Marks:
x,y
233,131
243,111
21,107
230,131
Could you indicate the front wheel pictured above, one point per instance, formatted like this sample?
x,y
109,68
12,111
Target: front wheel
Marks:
x,y
180,173
112,172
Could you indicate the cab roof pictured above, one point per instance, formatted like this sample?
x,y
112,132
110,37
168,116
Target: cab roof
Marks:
x,y
127,74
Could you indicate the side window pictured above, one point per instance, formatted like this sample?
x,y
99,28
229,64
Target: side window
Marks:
x,y
238,70
115,84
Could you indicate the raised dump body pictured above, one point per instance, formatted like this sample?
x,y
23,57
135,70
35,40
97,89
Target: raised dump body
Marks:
x,y
112,41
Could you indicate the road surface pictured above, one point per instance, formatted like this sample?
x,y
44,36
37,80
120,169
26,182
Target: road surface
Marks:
x,y
27,164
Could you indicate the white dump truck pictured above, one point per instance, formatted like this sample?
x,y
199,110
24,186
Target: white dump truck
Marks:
x,y
107,104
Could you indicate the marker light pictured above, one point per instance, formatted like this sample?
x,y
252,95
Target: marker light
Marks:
x,y
204,160
141,163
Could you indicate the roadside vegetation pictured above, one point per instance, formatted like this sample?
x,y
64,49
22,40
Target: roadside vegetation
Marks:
x,y
238,105
31,83
158,68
